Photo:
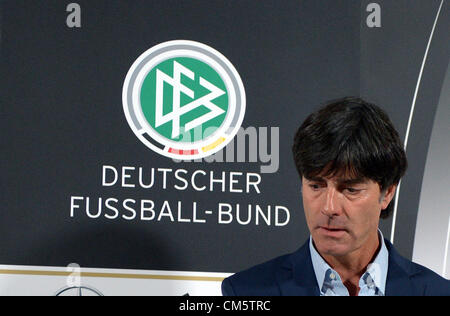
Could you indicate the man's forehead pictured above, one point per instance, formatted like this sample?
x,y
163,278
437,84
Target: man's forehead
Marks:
x,y
338,179
337,172
341,175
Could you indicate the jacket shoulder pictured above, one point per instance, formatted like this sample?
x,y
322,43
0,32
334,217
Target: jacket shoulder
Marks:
x,y
259,280
425,281
432,283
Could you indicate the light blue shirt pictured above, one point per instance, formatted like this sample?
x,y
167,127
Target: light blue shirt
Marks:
x,y
371,283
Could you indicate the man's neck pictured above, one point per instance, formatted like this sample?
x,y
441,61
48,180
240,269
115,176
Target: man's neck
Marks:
x,y
353,265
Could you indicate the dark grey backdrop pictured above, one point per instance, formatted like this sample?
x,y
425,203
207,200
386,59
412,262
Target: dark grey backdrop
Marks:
x,y
62,118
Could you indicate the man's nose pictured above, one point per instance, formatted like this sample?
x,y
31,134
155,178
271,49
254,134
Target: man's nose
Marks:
x,y
332,205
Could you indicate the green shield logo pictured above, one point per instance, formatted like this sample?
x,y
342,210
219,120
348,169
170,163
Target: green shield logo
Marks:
x,y
184,100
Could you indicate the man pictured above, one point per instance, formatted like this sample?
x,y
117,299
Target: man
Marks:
x,y
350,160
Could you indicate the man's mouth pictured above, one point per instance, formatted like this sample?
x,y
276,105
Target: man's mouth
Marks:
x,y
332,231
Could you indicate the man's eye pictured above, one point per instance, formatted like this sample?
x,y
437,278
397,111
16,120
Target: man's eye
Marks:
x,y
314,186
352,190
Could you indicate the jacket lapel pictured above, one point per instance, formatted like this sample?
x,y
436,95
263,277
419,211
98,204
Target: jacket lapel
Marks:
x,y
296,276
400,270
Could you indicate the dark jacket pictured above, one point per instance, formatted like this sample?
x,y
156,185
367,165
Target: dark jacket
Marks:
x,y
293,274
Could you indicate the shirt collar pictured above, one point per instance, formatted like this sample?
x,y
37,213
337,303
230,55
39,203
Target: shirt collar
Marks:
x,y
377,269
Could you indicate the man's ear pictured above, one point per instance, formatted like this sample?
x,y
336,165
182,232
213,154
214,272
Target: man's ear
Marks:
x,y
387,196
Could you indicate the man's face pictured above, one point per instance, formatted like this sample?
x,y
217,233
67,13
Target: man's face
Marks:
x,y
343,213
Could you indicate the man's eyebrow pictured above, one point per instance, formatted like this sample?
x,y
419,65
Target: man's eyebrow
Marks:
x,y
315,179
352,181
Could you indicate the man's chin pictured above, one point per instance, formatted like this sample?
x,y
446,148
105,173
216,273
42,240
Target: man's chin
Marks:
x,y
331,246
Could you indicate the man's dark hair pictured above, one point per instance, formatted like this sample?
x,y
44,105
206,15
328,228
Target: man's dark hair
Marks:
x,y
352,137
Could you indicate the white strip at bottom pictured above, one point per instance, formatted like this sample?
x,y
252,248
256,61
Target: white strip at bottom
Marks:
x,y
72,280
